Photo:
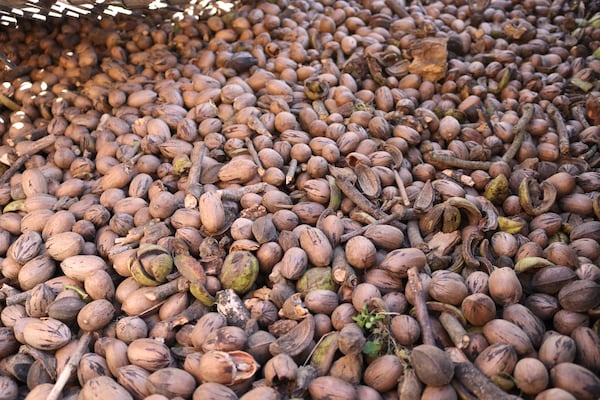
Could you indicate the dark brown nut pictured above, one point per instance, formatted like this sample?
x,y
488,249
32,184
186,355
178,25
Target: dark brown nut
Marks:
x,y
502,331
432,365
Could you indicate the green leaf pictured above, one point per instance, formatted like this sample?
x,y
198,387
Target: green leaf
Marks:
x,y
597,53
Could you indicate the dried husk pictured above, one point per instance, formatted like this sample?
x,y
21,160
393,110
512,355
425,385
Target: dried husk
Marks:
x,y
296,340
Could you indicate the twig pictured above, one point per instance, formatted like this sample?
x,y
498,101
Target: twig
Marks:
x,y
8,103
414,236
30,148
341,271
416,286
17,165
451,161
165,290
291,172
30,135
401,188
578,112
561,129
193,191
71,366
455,330
519,132
254,155
236,194
14,72
474,380
356,196
382,221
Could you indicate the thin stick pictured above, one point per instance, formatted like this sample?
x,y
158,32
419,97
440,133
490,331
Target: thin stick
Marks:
x,y
455,330
414,236
8,103
479,384
355,195
291,172
341,271
71,366
165,290
578,111
451,161
416,286
17,165
30,148
382,221
194,188
236,194
561,129
14,72
519,132
254,155
401,188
